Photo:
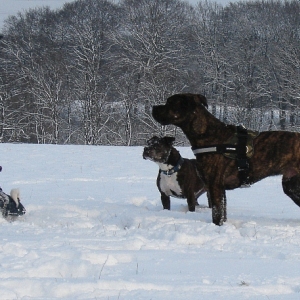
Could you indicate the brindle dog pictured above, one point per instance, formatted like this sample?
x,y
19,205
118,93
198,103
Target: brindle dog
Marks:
x,y
275,152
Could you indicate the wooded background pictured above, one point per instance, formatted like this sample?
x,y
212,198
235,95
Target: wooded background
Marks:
x,y
89,73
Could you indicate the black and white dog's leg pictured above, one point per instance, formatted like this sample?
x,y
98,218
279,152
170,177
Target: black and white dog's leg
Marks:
x,y
192,201
165,201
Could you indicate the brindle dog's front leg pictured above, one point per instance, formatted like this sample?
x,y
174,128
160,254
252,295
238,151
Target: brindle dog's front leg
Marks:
x,y
217,197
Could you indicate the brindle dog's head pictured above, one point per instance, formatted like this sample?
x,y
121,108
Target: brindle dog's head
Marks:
x,y
177,108
158,149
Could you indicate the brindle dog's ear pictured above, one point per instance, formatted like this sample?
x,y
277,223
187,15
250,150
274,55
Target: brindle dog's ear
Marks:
x,y
187,103
169,140
201,99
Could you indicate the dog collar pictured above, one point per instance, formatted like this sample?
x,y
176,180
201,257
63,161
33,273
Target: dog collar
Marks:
x,y
174,169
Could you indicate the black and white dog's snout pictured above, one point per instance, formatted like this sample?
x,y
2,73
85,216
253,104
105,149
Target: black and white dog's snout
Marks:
x,y
146,153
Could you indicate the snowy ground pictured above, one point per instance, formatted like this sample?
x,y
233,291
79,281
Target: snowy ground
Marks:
x,y
95,229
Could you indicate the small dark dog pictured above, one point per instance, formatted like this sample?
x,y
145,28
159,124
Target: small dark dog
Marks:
x,y
10,205
273,153
177,176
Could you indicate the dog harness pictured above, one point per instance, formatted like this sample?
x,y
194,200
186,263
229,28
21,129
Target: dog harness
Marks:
x,y
174,169
240,148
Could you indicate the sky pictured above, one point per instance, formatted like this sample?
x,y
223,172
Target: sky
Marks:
x,y
12,7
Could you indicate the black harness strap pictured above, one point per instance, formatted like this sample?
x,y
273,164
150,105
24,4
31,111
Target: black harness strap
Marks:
x,y
240,149
242,159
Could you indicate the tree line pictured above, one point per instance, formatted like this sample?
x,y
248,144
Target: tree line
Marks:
x,y
90,72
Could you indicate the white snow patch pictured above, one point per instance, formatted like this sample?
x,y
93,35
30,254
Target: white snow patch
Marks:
x,y
95,229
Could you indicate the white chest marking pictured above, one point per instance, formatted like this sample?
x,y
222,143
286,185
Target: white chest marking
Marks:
x,y
169,185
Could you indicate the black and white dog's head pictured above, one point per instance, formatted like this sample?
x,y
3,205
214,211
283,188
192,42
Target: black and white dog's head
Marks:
x,y
11,205
158,149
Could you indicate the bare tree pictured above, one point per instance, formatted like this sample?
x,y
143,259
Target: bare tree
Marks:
x,y
153,52
90,24
34,50
90,72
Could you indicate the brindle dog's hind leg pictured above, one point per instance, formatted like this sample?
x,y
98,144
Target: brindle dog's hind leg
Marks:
x,y
291,187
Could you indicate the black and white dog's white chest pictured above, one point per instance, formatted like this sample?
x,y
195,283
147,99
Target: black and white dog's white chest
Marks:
x,y
168,184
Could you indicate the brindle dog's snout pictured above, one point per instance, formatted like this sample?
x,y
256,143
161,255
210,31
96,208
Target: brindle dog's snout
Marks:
x,y
158,113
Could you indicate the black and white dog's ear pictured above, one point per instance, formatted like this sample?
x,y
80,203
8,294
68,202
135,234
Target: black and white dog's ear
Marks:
x,y
169,140
153,140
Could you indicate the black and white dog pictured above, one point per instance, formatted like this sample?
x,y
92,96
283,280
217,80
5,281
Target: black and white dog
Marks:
x,y
10,205
177,176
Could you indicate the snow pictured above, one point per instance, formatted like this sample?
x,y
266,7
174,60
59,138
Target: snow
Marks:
x,y
95,229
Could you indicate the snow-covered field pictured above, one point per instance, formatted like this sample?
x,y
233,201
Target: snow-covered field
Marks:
x,y
95,229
